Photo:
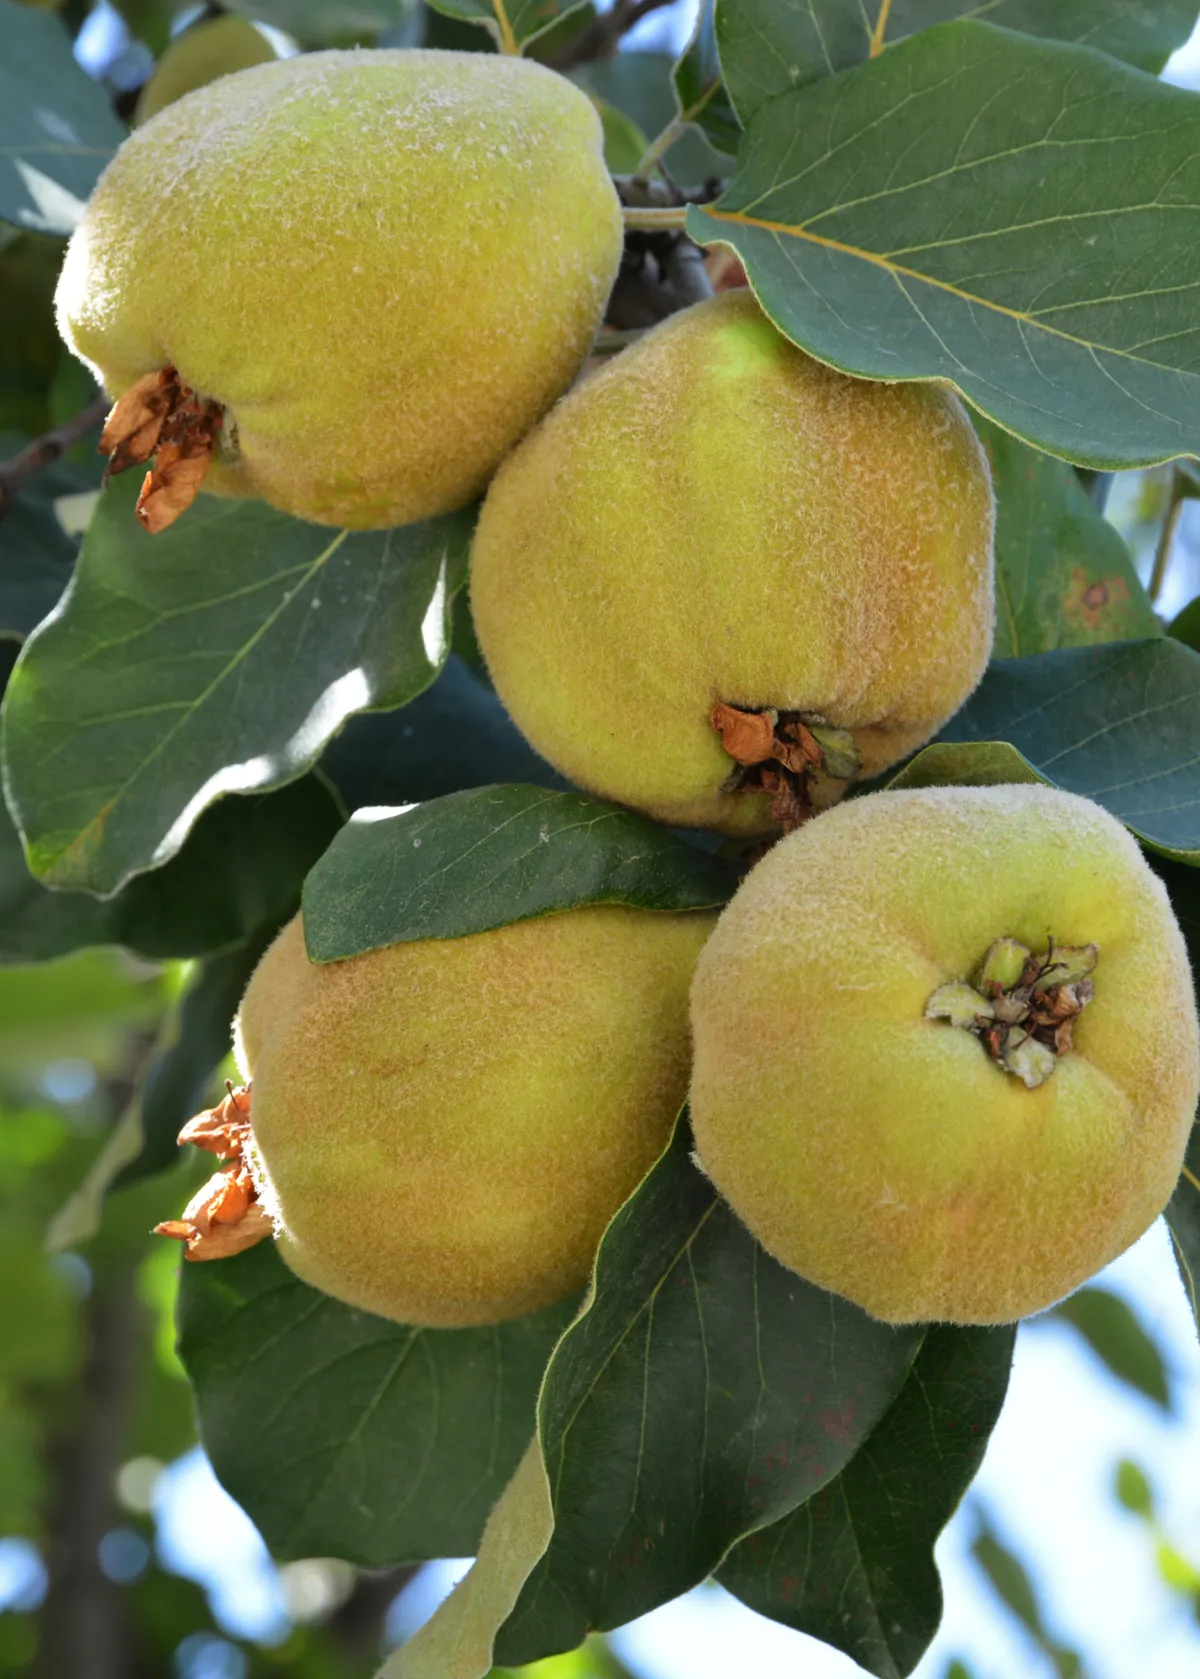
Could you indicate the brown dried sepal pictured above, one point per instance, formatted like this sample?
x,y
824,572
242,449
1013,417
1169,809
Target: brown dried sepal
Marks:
x,y
1040,1008
777,754
225,1215
161,417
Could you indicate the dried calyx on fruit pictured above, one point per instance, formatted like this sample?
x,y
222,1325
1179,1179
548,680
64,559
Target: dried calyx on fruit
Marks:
x,y
784,754
225,1216
160,417
1022,1007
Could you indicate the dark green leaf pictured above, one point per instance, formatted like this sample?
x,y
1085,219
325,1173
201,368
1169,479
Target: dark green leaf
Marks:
x,y
36,554
977,763
1118,724
29,359
1117,1337
490,856
1186,627
1064,577
703,1393
1183,1209
512,23
241,869
1183,1220
217,657
698,87
641,84
624,148
854,1565
342,1434
57,129
768,49
322,22
181,1074
454,735
1014,216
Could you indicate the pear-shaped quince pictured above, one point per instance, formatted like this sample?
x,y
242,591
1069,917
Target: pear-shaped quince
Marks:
x,y
360,276
720,580
439,1131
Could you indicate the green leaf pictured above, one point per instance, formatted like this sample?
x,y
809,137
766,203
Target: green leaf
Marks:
x,y
1186,627
490,856
30,358
176,1085
1064,577
699,90
1115,1334
1010,1580
57,129
1183,1221
512,23
703,1393
624,146
327,22
642,85
36,554
217,657
342,1434
1118,724
241,868
768,49
198,1040
977,763
454,735
1133,1490
1182,1211
1016,217
854,1565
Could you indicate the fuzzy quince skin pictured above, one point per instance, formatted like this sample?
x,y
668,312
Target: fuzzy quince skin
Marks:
x,y
717,518
384,265
441,1130
884,1154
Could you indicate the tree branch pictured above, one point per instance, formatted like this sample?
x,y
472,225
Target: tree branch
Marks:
x,y
45,450
600,39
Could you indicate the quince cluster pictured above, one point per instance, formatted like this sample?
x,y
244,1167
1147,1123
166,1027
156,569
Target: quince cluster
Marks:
x,y
941,1048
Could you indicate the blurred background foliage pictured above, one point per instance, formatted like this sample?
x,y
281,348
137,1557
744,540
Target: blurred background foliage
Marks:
x,y
112,1537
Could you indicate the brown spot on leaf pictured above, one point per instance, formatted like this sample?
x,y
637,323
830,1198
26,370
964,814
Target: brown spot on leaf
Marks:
x,y
1094,603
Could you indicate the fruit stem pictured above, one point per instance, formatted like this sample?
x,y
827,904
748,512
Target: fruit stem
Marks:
x,y
646,220
609,342
658,148
1166,538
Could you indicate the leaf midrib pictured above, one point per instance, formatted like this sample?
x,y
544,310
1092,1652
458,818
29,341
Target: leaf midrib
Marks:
x,y
741,219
